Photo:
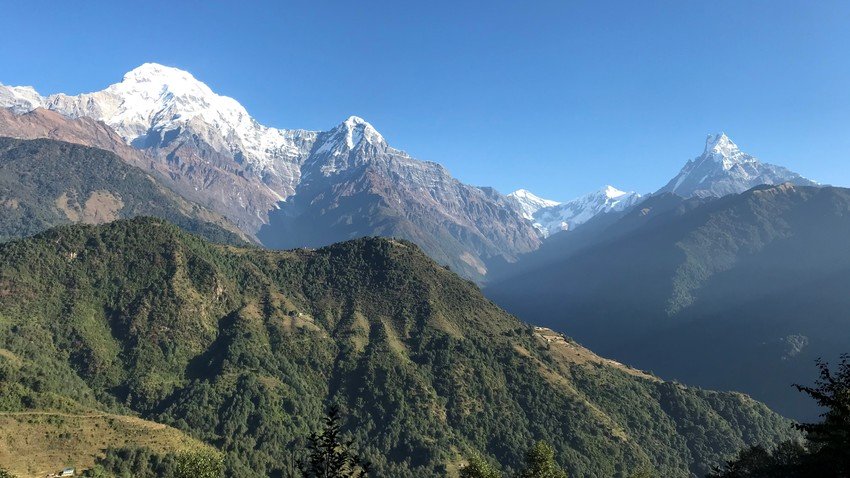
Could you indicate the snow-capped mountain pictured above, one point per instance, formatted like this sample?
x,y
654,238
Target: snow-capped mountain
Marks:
x,y
550,216
154,104
20,99
317,186
527,203
354,184
724,169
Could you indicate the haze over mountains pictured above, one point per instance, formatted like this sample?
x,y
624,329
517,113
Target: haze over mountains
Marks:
x,y
741,292
550,216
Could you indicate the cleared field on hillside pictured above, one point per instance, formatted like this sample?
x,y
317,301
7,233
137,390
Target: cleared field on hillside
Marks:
x,y
33,444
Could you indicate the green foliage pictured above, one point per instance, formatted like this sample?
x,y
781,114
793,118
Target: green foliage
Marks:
x,y
479,468
97,471
540,463
785,461
825,453
132,462
643,472
329,456
202,464
243,348
829,438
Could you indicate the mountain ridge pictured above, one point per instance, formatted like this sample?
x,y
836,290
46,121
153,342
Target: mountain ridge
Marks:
x,y
210,150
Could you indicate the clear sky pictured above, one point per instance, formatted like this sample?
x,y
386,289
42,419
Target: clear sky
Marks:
x,y
557,97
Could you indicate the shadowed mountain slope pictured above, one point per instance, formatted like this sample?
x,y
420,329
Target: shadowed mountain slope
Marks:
x,y
740,292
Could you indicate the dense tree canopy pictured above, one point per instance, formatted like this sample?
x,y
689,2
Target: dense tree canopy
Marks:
x,y
243,348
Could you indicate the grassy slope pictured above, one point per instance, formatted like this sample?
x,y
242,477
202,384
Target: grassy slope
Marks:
x,y
43,429
242,348
33,444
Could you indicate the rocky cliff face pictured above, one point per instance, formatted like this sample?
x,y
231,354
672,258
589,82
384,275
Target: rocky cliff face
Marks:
x,y
354,184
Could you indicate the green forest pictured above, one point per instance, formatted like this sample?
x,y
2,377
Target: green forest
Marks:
x,y
245,349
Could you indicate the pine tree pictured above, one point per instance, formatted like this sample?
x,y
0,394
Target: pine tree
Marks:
x,y
829,439
329,456
540,463
479,468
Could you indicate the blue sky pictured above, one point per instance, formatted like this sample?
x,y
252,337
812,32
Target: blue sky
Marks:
x,y
557,97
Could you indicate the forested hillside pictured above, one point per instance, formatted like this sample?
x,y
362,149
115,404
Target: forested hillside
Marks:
x,y
245,348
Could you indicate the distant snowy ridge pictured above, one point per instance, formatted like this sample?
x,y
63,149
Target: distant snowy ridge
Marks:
x,y
724,169
528,203
550,216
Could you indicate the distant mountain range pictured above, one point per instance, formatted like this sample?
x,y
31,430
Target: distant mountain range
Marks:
x,y
550,217
741,292
734,275
293,188
335,185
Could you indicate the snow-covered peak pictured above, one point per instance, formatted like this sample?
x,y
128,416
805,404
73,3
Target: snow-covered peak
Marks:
x,y
724,169
349,135
154,106
528,203
571,214
720,144
357,129
20,99
611,192
159,98
720,149
159,73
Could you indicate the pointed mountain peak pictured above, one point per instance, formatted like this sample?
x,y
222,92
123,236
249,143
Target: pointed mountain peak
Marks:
x,y
354,121
612,192
724,169
720,144
351,133
358,124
